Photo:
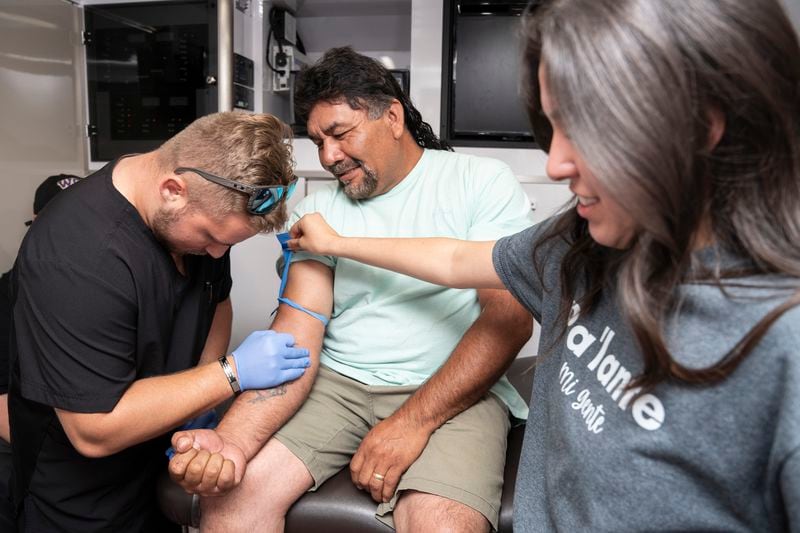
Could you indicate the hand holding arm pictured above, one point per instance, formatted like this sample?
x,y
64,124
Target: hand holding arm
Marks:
x,y
212,465
152,406
256,415
266,359
447,262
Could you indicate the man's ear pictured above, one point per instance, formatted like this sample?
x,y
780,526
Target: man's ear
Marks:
x,y
396,118
716,127
173,191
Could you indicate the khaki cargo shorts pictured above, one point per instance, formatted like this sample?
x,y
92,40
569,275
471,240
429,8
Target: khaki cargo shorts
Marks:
x,y
463,461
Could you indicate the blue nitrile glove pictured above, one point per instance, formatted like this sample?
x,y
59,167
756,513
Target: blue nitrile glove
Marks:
x,y
207,420
265,359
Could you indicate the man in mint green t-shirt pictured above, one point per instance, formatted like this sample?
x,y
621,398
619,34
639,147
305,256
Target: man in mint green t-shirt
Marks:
x,y
409,387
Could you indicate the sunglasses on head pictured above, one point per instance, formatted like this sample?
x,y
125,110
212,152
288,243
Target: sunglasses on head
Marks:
x,y
262,198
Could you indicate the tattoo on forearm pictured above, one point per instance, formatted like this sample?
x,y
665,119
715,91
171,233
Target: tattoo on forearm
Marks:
x,y
264,395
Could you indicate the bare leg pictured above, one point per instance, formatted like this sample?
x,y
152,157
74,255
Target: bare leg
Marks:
x,y
420,511
274,480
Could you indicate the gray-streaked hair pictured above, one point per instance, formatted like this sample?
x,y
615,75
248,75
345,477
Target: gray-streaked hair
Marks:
x,y
636,82
343,75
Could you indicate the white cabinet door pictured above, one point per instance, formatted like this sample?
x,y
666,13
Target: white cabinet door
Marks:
x,y
40,122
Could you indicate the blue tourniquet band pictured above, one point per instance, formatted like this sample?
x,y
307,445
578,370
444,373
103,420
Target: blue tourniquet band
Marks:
x,y
292,303
283,238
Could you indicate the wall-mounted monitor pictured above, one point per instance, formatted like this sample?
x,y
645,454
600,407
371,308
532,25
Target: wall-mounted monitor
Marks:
x,y
482,104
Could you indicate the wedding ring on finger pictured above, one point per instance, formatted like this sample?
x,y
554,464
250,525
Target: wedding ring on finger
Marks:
x,y
377,476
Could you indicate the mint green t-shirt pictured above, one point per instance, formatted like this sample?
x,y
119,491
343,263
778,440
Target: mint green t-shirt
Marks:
x,y
391,329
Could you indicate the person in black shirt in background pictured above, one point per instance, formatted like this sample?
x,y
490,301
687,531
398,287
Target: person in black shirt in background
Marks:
x,y
120,288
46,191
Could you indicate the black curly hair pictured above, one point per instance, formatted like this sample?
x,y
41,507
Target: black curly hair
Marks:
x,y
344,74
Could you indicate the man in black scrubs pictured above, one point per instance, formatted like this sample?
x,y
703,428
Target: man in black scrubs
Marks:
x,y
121,321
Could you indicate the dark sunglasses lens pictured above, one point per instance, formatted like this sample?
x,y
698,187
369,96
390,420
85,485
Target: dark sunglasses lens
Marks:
x,y
265,200
262,201
261,195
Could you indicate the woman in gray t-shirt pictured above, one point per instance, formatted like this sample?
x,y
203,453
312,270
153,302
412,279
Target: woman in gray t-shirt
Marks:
x,y
667,389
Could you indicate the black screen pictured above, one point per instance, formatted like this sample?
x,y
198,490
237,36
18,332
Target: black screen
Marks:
x,y
486,79
146,67
482,103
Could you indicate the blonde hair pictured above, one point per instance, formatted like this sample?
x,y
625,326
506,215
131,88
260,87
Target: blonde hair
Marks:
x,y
251,149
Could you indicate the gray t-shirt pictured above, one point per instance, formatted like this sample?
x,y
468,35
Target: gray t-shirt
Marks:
x,y
713,458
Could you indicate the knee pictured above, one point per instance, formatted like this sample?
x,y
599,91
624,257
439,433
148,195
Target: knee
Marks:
x,y
238,509
255,504
273,481
420,511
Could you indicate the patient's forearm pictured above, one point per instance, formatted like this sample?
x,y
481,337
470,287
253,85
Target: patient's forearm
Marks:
x,y
256,415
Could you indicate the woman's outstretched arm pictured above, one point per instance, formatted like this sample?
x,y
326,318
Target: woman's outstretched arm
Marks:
x,y
448,262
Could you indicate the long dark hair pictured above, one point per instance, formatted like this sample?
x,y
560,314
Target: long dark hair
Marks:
x,y
343,74
635,82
